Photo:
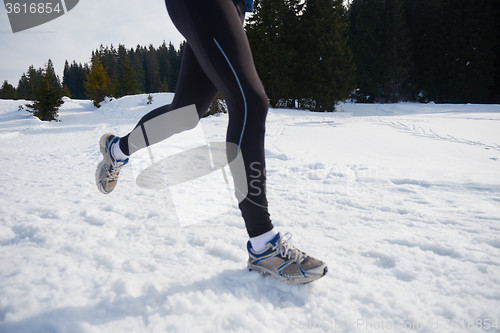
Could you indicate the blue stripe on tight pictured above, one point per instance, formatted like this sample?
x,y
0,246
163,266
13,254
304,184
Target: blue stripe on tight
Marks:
x,y
242,93
246,109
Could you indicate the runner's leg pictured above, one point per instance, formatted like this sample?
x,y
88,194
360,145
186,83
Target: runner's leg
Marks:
x,y
213,30
193,87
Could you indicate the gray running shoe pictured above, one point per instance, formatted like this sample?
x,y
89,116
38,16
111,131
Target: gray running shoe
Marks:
x,y
286,263
106,175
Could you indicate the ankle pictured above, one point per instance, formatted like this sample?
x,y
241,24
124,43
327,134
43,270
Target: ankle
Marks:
x,y
118,153
259,242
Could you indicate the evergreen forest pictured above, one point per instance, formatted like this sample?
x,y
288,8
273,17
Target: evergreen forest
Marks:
x,y
311,54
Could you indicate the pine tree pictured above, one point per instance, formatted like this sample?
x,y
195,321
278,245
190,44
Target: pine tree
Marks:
x,y
174,68
73,78
98,83
272,32
79,73
152,70
34,78
23,87
164,87
302,54
28,84
164,62
66,77
65,91
381,44
109,57
126,79
48,96
468,42
423,19
7,91
328,64
495,89
367,48
396,86
137,65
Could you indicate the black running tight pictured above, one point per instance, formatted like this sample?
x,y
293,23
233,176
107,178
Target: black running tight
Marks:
x,y
217,57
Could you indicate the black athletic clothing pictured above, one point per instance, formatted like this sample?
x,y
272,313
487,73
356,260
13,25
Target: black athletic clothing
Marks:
x,y
217,57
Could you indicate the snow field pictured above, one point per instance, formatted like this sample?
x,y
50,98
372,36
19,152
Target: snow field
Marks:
x,y
402,201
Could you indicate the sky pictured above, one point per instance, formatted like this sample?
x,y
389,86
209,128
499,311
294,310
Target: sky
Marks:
x,y
76,34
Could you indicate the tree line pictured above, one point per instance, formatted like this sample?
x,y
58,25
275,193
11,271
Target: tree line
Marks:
x,y
426,50
301,52
315,53
112,72
312,54
125,72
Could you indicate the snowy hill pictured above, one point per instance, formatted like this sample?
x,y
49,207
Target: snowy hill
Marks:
x,y
402,201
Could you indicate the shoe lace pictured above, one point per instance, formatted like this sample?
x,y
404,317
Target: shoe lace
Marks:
x,y
115,169
288,250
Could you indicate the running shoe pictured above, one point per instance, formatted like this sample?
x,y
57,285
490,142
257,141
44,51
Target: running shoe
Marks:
x,y
106,175
286,263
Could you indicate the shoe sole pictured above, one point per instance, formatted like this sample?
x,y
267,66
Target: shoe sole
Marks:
x,y
97,181
102,143
281,278
102,147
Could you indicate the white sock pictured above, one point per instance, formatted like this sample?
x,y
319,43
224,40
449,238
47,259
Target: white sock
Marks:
x,y
117,152
259,242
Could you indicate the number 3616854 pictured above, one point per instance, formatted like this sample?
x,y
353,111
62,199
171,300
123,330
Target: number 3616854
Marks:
x,y
33,8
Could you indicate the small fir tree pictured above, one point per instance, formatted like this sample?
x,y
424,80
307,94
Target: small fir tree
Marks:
x,y
65,91
7,91
48,97
98,83
164,87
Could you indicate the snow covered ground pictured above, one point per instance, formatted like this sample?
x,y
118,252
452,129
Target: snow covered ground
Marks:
x,y
402,201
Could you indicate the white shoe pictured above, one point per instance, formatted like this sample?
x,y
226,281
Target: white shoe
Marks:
x,y
286,263
106,175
